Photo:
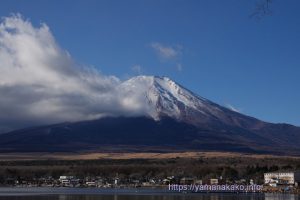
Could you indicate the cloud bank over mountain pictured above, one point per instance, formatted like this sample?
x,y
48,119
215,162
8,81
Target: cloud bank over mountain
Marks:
x,y
41,83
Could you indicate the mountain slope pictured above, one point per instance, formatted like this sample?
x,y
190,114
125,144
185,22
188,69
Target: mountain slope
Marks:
x,y
160,96
174,119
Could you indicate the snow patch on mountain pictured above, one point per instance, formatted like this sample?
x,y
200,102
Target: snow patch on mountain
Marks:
x,y
160,96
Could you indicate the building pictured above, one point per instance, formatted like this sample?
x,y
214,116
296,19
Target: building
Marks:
x,y
187,180
65,180
169,180
214,181
282,178
91,183
198,181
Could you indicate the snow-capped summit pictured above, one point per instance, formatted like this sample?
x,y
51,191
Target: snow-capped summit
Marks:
x,y
160,96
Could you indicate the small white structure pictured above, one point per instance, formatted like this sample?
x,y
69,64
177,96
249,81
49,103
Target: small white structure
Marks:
x,y
91,183
214,181
65,180
116,181
187,180
281,178
251,182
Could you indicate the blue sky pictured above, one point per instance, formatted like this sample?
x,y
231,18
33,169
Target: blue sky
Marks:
x,y
211,47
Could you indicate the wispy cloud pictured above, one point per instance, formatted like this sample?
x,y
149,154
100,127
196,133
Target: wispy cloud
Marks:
x,y
231,107
179,67
170,53
166,52
137,69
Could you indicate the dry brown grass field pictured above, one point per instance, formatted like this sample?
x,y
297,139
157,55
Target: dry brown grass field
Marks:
x,y
99,155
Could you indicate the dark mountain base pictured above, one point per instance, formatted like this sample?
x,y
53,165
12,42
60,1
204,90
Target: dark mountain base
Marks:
x,y
141,134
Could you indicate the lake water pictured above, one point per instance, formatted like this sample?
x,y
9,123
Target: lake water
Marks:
x,y
126,194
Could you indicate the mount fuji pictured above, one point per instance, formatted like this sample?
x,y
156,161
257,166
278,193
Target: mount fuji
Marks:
x,y
166,117
162,97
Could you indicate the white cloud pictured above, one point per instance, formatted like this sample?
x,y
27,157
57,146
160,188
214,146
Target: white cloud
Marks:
x,y
166,52
41,84
179,67
137,69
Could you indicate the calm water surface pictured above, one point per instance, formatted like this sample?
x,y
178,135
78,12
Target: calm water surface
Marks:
x,y
126,194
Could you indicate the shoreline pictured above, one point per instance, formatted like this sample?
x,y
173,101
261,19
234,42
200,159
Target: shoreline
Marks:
x,y
27,190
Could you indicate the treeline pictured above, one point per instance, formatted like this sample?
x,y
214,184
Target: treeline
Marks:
x,y
230,168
